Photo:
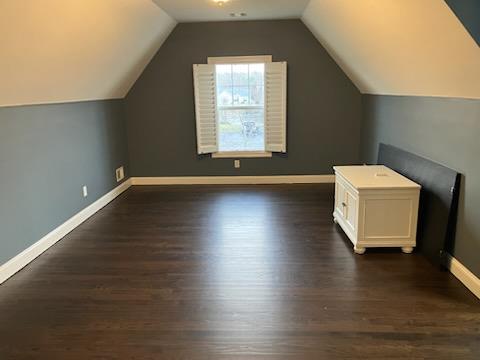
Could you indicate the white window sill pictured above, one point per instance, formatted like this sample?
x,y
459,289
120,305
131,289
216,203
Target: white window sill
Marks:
x,y
241,154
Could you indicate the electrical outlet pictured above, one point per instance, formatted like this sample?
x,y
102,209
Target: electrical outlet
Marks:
x,y
85,191
236,163
120,174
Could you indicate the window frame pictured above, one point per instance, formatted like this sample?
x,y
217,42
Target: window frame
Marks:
x,y
256,59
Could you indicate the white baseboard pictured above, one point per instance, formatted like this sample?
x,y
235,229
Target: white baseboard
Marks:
x,y
464,275
25,257
234,180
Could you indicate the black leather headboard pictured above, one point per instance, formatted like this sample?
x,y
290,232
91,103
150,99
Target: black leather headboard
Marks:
x,y
438,199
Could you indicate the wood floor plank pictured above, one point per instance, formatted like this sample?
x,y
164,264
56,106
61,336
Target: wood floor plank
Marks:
x,y
231,272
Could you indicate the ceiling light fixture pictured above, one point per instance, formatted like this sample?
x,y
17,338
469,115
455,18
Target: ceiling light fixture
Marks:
x,y
220,2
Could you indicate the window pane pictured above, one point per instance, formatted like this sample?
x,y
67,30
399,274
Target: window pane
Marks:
x,y
239,86
224,75
257,74
224,96
240,75
240,95
256,95
241,130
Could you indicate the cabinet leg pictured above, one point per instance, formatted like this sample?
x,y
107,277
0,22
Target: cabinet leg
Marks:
x,y
407,249
335,220
359,250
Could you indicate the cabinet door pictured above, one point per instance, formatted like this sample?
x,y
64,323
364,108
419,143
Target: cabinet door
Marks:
x,y
351,210
340,199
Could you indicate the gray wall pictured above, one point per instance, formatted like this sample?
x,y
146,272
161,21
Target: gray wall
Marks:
x,y
324,107
445,130
47,153
468,12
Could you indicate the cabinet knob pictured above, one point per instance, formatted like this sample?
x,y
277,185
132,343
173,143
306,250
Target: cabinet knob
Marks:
x,y
344,205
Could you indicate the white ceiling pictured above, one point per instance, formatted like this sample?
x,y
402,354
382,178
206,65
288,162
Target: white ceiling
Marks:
x,y
398,47
61,51
207,10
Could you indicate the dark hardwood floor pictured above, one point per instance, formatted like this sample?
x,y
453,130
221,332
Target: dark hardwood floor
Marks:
x,y
230,272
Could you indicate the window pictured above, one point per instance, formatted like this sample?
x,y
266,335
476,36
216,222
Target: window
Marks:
x,y
240,106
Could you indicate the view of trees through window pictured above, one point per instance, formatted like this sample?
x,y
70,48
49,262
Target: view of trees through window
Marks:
x,y
240,102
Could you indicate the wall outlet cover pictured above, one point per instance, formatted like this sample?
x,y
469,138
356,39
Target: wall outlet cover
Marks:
x,y
120,174
85,191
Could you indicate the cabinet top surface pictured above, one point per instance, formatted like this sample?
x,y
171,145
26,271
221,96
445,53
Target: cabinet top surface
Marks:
x,y
374,177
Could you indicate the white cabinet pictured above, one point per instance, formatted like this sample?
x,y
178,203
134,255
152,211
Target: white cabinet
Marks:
x,y
376,207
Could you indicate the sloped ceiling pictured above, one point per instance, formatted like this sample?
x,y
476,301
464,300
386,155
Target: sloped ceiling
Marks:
x,y
398,47
72,50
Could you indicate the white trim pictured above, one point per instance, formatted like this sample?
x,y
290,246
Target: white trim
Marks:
x,y
60,102
28,255
241,154
468,279
235,180
256,59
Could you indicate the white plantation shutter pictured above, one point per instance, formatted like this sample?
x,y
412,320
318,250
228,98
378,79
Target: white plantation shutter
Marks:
x,y
276,107
205,108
